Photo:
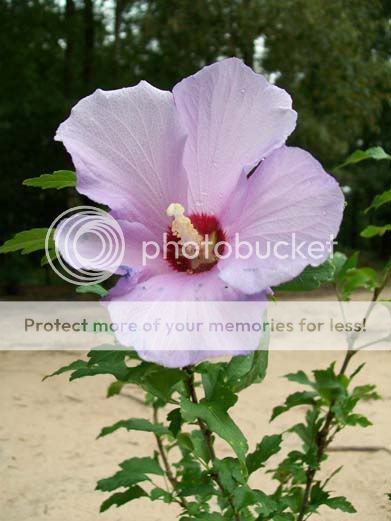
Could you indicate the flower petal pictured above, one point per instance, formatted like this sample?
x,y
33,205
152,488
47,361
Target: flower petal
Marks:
x,y
88,244
171,287
234,118
290,200
127,147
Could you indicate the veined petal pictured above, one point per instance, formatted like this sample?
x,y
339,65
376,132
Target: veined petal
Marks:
x,y
99,248
127,147
234,118
290,200
173,287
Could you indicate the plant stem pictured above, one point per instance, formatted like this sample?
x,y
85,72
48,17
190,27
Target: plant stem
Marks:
x,y
207,435
170,476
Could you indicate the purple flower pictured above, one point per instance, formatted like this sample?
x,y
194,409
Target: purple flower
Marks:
x,y
178,163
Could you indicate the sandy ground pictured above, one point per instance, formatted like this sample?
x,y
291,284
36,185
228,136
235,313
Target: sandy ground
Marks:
x,y
50,459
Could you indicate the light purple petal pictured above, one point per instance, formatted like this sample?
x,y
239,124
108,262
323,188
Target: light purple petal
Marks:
x,y
87,243
127,147
173,287
289,198
234,118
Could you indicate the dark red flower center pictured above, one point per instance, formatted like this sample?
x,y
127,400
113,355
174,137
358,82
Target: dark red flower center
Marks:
x,y
187,258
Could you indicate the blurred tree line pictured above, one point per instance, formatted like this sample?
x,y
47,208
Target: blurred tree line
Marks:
x,y
332,56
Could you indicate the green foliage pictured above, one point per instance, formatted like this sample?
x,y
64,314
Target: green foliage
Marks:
x,y
215,415
376,153
135,424
28,241
269,446
120,498
95,289
133,471
58,179
331,403
311,278
373,231
379,200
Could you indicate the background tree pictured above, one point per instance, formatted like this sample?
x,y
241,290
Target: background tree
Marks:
x,y
333,57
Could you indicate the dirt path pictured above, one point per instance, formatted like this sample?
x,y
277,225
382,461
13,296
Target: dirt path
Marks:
x,y
50,459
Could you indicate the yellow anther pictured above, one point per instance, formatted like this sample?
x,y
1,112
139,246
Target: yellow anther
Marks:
x,y
181,226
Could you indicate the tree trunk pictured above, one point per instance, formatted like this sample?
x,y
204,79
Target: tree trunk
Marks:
x,y
70,47
119,7
89,40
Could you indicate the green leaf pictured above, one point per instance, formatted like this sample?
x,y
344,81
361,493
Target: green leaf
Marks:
x,y
294,400
199,446
50,254
28,241
358,419
115,388
133,470
135,424
311,278
160,381
100,361
175,419
300,377
58,179
218,421
379,200
344,264
376,153
269,446
257,370
230,473
356,278
374,231
73,366
120,498
96,289
340,503
160,493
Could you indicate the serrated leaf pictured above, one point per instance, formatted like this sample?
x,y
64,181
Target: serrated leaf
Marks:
x,y
28,241
341,503
58,179
375,231
294,400
218,421
300,377
100,361
120,498
379,200
95,289
134,424
311,278
73,366
269,446
376,153
133,470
